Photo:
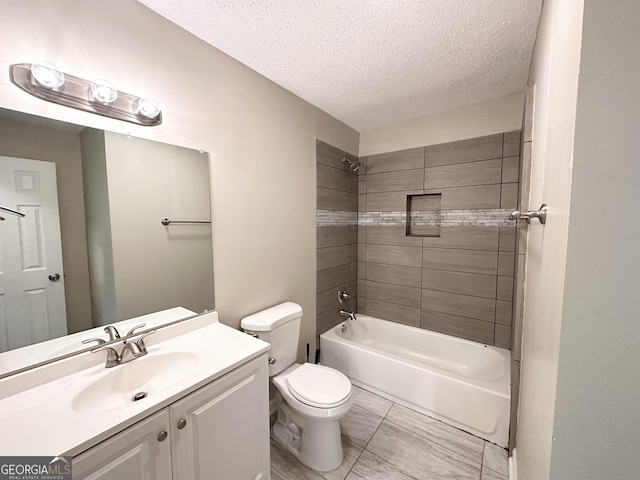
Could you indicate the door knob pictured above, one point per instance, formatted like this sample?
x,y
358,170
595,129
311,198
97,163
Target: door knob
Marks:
x,y
55,277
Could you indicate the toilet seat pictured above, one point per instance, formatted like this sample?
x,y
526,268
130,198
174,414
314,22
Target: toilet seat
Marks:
x,y
318,386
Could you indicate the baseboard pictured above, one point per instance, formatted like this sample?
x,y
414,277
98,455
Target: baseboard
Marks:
x,y
513,465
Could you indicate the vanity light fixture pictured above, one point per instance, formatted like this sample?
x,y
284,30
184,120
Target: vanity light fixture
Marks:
x,y
47,82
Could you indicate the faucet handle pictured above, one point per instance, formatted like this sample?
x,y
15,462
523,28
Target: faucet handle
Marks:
x,y
89,340
135,328
140,341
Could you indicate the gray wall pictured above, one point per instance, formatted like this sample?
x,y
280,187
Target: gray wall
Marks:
x,y
597,420
459,282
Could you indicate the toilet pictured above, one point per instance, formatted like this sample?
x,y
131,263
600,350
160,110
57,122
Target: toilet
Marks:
x,y
311,399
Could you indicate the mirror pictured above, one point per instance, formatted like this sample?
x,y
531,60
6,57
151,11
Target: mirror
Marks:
x,y
91,249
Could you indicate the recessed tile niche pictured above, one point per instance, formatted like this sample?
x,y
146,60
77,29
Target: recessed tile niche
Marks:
x,y
424,215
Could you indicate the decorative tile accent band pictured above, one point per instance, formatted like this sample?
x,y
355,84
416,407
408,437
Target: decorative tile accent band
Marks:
x,y
496,217
331,218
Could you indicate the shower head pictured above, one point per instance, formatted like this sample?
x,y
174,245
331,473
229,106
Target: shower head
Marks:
x,y
352,166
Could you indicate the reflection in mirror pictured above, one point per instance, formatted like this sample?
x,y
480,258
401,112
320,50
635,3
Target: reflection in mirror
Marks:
x,y
91,249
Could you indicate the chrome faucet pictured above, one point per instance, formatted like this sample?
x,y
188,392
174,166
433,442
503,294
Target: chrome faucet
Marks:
x,y
130,349
347,314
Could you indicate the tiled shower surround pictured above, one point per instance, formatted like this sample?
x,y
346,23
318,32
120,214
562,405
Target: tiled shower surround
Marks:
x,y
447,264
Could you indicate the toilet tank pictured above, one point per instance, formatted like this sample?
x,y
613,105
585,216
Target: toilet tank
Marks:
x,y
279,326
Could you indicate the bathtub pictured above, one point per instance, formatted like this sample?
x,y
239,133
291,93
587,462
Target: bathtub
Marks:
x,y
457,381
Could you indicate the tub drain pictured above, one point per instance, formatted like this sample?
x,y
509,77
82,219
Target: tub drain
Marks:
x,y
139,396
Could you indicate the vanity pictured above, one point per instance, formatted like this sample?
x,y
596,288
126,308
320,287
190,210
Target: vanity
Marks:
x,y
194,406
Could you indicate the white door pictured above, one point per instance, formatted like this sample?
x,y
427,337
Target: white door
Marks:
x,y
141,452
221,432
32,307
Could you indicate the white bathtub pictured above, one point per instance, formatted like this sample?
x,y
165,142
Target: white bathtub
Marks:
x,y
462,383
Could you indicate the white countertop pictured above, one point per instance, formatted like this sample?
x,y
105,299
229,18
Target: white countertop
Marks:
x,y
37,416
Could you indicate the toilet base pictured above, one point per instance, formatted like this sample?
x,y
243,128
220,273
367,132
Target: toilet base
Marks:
x,y
315,442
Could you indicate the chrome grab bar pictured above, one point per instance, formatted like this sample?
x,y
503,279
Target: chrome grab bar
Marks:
x,y
166,221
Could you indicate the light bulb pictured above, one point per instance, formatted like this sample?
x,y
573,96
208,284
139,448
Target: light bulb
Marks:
x,y
148,107
103,91
47,74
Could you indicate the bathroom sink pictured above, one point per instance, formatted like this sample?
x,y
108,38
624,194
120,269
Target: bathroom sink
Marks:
x,y
141,378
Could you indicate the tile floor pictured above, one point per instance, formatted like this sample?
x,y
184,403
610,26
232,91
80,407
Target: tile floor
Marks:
x,y
383,440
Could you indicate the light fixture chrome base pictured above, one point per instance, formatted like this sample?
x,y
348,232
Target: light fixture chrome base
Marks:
x,y
75,93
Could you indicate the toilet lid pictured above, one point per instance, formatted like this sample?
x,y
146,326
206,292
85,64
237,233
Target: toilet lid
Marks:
x,y
319,386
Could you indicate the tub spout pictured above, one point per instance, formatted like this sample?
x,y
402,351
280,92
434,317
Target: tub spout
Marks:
x,y
347,314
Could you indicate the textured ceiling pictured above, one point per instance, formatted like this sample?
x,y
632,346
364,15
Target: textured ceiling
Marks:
x,y
372,63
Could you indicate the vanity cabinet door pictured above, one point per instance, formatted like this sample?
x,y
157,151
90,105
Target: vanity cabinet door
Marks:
x,y
221,431
140,452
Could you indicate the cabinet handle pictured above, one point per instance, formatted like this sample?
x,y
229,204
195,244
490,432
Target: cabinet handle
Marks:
x,y
162,436
181,424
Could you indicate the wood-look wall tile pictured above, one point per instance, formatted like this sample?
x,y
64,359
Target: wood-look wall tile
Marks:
x,y
336,179
473,149
333,236
461,305
353,252
361,251
361,268
509,196
394,255
484,172
334,256
510,169
354,183
507,239
362,202
400,294
326,300
458,260
471,238
395,181
363,166
391,236
460,198
395,274
327,320
361,303
463,327
362,287
395,161
503,312
393,312
331,156
389,201
511,144
330,199
505,288
362,234
502,336
332,277
353,271
362,184
506,263
475,284
353,230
